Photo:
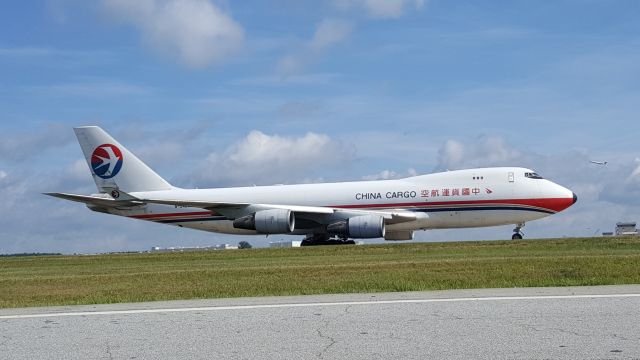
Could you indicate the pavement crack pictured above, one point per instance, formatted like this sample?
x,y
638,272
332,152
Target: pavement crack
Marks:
x,y
529,327
619,337
332,341
564,331
109,351
560,330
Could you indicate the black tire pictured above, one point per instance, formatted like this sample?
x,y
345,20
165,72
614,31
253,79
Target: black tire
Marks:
x,y
327,242
516,236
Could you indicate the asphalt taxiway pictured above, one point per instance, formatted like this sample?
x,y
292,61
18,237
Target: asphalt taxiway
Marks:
x,y
532,323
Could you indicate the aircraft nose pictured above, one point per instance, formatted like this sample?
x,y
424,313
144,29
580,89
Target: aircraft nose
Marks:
x,y
575,198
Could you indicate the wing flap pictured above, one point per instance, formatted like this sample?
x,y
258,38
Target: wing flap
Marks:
x,y
400,217
194,203
301,209
213,205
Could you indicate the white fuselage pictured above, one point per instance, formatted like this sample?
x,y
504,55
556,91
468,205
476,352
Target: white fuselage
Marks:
x,y
453,199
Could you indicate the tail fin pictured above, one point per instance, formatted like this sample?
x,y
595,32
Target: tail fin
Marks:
x,y
115,167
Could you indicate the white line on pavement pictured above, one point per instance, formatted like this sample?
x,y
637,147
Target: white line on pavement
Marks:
x,y
314,304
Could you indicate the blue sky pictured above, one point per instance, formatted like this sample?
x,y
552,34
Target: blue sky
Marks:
x,y
222,93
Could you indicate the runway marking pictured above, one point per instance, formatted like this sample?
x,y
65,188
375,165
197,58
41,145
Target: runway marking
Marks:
x,y
315,304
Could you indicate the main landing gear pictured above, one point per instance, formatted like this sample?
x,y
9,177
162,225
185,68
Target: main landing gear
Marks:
x,y
324,239
517,233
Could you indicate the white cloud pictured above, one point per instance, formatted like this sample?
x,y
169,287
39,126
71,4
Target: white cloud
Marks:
x,y
621,184
634,177
486,151
380,8
65,226
195,31
328,33
269,159
332,31
17,147
390,174
3,175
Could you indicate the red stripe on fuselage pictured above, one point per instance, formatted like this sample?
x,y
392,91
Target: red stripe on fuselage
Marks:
x,y
553,204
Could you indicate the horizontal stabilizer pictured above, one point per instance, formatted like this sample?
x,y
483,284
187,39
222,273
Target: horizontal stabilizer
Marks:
x,y
97,200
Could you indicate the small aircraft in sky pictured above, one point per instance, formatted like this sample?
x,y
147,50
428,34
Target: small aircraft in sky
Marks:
x,y
598,162
323,213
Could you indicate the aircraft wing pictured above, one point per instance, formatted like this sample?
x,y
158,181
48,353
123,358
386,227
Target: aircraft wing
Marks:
x,y
391,216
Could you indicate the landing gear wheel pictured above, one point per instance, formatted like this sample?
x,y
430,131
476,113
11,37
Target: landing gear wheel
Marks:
x,y
324,239
327,242
517,233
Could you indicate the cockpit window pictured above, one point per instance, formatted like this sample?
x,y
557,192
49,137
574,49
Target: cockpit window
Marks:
x,y
532,175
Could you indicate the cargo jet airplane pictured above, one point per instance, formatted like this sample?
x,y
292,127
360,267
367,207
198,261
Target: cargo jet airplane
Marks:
x,y
324,213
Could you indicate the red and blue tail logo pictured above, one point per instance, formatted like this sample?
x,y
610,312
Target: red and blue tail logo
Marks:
x,y
106,161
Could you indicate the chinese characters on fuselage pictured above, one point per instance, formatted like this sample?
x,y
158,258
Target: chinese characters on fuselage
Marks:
x,y
424,193
451,192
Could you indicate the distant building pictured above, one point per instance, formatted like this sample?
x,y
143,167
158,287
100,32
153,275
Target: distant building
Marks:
x,y
226,247
297,243
193,248
626,228
607,233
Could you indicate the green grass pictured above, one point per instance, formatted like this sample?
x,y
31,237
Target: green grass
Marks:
x,y
63,280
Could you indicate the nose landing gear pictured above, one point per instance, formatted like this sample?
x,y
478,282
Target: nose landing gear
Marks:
x,y
517,233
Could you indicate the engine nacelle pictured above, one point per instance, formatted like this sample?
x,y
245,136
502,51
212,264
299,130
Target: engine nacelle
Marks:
x,y
359,227
274,221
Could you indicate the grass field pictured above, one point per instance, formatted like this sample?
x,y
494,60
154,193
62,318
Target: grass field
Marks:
x,y
62,280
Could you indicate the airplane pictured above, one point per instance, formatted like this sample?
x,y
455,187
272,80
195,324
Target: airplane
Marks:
x,y
598,162
325,213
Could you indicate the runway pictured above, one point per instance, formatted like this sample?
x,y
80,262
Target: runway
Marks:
x,y
530,323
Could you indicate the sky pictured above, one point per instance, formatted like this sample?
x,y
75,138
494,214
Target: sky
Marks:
x,y
231,93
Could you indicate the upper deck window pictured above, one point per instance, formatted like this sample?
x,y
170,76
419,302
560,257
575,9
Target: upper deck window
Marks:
x,y
532,175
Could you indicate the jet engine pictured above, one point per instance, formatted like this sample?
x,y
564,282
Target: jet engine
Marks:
x,y
274,221
358,227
